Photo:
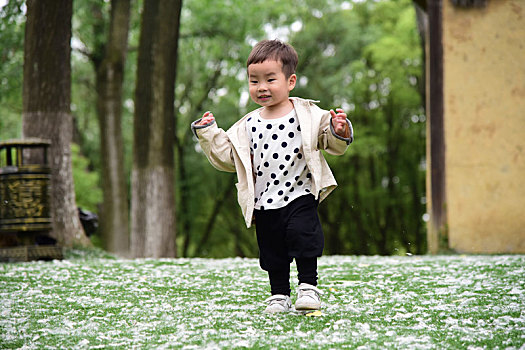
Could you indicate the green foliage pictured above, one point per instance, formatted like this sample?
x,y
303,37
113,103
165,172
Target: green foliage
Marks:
x,y
363,56
12,24
90,21
367,59
87,191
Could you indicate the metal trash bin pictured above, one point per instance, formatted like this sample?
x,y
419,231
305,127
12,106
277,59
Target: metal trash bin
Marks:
x,y
25,206
24,186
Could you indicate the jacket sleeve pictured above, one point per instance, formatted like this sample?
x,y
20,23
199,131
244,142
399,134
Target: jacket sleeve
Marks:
x,y
216,145
331,142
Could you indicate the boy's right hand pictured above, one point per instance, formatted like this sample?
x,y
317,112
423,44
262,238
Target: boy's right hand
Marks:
x,y
206,118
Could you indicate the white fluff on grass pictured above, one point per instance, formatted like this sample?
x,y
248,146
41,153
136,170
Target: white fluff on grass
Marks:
x,y
368,302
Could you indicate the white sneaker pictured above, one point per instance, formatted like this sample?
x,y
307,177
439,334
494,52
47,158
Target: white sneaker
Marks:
x,y
278,303
308,297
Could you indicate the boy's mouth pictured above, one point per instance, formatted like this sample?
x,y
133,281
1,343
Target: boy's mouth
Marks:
x,y
264,97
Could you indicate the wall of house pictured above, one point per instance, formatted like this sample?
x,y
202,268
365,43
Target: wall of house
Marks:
x,y
484,113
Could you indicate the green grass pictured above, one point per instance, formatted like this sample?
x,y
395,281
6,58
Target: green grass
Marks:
x,y
369,302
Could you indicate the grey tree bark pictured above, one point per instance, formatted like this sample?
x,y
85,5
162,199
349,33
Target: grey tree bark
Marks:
x,y
152,179
109,79
46,107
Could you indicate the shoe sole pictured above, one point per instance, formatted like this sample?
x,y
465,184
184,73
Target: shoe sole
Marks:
x,y
306,312
307,307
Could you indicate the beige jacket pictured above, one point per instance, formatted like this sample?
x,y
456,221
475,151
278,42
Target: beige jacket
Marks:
x,y
230,151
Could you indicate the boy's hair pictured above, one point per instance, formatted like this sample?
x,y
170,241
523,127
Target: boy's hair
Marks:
x,y
275,50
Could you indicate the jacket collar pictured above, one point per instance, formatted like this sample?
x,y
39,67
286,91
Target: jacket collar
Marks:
x,y
302,108
304,101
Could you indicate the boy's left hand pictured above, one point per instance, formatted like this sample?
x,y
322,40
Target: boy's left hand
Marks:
x,y
339,122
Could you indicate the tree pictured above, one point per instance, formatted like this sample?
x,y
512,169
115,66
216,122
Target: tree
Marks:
x,y
101,36
109,78
152,180
46,107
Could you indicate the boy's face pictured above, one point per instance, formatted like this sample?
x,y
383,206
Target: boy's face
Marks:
x,y
268,85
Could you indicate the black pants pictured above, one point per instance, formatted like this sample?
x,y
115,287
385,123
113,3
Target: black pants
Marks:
x,y
284,234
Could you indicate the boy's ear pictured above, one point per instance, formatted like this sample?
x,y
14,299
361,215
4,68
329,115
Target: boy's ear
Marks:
x,y
291,82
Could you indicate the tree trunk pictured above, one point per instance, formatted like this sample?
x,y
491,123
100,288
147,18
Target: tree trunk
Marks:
x,y
185,223
46,107
109,78
437,235
152,180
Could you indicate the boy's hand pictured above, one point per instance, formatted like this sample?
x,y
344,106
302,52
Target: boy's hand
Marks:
x,y
206,118
339,122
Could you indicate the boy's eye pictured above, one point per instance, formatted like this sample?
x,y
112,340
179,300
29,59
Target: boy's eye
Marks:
x,y
253,81
270,80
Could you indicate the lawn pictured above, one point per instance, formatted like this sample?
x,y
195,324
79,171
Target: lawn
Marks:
x,y
414,302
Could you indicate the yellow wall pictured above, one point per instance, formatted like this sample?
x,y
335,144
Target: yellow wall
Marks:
x,y
484,106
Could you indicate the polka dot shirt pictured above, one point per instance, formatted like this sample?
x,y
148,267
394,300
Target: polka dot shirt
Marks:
x,y
281,174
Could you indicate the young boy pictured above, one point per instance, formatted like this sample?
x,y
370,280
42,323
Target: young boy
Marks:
x,y
282,175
